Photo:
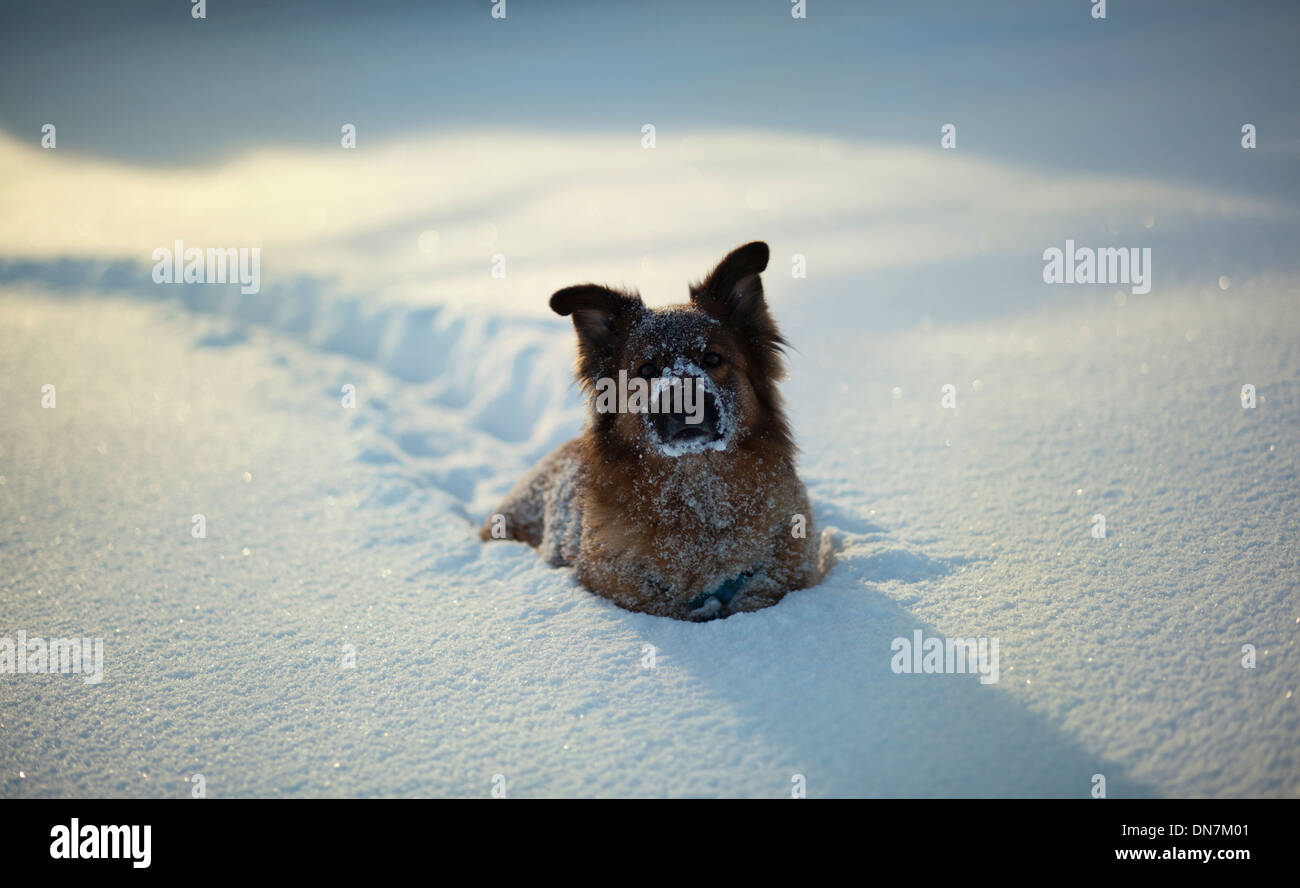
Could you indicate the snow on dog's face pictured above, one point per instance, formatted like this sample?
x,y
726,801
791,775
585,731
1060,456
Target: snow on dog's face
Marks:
x,y
687,379
694,389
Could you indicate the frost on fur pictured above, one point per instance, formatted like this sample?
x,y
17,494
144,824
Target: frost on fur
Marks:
x,y
687,517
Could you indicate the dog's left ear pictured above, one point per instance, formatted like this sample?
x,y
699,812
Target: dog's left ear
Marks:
x,y
733,292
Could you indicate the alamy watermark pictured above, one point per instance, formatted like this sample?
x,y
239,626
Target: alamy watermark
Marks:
x,y
919,655
102,842
661,394
215,265
34,656
1104,265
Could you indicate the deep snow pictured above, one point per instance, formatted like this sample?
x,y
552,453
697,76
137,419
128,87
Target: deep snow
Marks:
x,y
329,527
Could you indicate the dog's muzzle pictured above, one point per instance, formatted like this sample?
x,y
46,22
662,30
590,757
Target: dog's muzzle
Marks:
x,y
682,427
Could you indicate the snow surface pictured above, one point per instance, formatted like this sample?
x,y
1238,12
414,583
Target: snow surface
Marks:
x,y
329,527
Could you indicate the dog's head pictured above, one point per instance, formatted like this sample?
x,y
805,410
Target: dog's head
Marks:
x,y
686,379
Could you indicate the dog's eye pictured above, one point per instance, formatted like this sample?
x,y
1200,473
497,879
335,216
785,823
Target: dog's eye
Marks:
x,y
647,371
712,359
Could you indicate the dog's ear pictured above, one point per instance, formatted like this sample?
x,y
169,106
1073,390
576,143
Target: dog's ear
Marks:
x,y
733,292
600,317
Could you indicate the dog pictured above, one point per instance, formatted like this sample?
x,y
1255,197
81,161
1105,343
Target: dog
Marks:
x,y
676,506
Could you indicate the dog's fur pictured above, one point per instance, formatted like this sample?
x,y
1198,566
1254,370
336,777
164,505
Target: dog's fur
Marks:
x,y
660,533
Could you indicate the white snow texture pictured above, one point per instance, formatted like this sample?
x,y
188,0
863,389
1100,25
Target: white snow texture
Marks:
x,y
333,531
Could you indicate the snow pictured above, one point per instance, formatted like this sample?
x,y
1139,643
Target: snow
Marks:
x,y
330,526
670,388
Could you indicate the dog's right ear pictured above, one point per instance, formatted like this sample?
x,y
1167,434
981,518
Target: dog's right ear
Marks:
x,y
600,317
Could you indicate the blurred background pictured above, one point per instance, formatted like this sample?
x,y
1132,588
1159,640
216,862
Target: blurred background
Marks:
x,y
523,138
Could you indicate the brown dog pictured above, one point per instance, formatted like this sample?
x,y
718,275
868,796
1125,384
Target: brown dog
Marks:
x,y
686,510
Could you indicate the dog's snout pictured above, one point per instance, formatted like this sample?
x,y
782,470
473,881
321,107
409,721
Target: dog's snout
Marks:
x,y
678,426
690,421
